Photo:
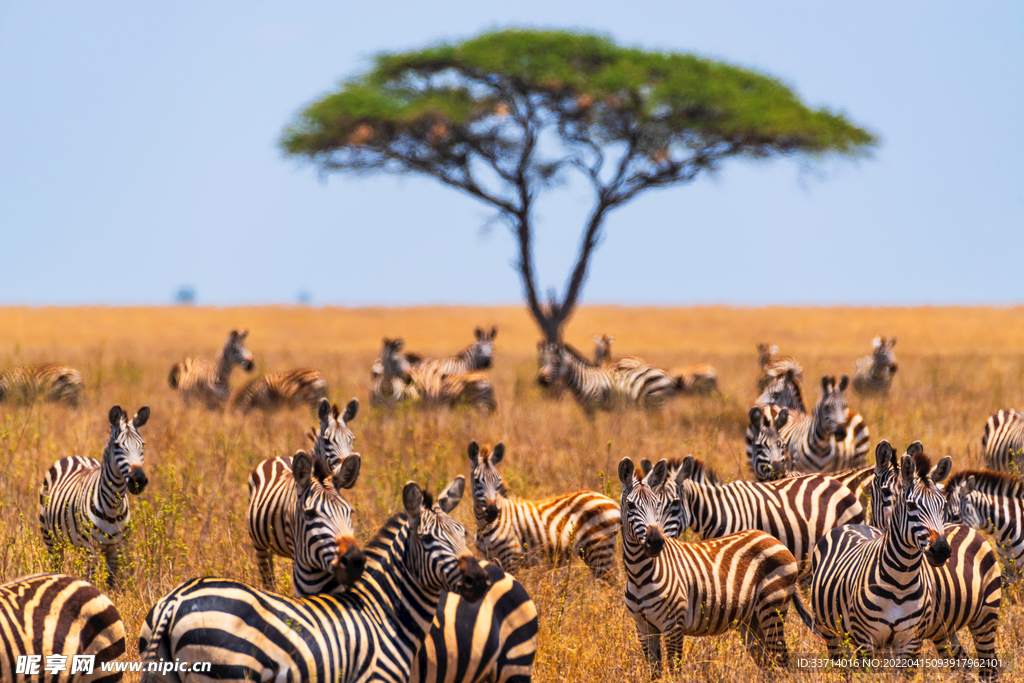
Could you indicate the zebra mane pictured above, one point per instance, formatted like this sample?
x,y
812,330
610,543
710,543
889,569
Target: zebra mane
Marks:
x,y
702,472
573,351
990,482
922,463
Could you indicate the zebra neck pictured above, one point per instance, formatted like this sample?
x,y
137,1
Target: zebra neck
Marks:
x,y
819,432
224,367
991,508
711,512
900,557
325,455
576,375
112,496
467,359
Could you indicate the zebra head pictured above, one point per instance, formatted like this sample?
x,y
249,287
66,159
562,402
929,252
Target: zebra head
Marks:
x,y
832,410
551,363
918,507
771,460
602,348
649,507
886,469
236,353
124,457
437,553
489,491
325,543
335,442
960,508
393,362
883,356
783,390
482,352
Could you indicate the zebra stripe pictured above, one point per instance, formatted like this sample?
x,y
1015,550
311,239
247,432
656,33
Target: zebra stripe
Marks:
x,y
743,581
774,366
208,382
995,506
784,391
84,502
56,614
276,390
493,640
562,366
476,356
767,456
272,497
871,589
692,379
873,374
395,379
53,382
1003,441
513,532
370,632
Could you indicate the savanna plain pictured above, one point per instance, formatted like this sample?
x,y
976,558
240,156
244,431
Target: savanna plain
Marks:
x,y
956,367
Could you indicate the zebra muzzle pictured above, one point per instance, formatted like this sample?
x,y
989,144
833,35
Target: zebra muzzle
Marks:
x,y
137,481
475,581
491,513
938,552
654,543
349,563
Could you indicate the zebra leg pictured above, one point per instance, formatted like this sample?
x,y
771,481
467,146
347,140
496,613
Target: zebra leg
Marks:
x,y
770,631
984,634
113,565
650,643
674,649
265,559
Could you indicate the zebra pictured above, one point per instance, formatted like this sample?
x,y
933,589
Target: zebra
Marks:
x,y
370,632
53,382
395,379
83,501
773,365
797,510
208,381
871,589
784,391
274,390
873,374
629,370
56,615
767,456
476,356
492,640
827,439
994,505
1003,441
513,532
743,581
272,497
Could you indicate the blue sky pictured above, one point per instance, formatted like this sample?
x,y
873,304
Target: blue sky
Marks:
x,y
138,154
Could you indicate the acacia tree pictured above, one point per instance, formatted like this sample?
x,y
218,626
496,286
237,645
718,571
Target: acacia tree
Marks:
x,y
502,115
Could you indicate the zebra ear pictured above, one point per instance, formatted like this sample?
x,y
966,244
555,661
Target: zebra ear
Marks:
x,y
474,454
115,416
478,333
646,466
915,448
755,418
844,382
658,475
141,417
627,474
452,495
348,472
685,470
876,342
351,410
941,471
498,454
892,342
825,381
302,470
323,411
412,498
781,419
883,456
967,488
907,469
494,332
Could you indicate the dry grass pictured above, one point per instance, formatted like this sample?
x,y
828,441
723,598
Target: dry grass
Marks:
x,y
957,366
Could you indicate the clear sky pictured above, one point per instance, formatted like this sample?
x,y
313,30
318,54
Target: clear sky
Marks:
x,y
138,154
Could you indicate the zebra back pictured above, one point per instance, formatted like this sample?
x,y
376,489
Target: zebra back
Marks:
x,y
276,390
773,366
53,382
994,504
560,365
1003,441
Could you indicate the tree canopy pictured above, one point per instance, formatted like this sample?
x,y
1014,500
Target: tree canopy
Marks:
x,y
501,115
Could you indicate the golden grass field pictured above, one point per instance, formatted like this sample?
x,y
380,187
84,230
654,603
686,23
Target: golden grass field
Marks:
x,y
956,367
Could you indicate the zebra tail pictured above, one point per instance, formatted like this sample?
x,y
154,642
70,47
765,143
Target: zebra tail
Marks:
x,y
172,378
805,615
152,651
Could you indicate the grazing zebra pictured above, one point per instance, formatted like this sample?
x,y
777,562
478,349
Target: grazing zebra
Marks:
x,y
275,390
395,379
53,382
630,370
208,381
1003,441
743,581
696,379
784,391
272,487
827,439
797,510
873,374
84,502
773,365
871,589
370,632
57,615
513,532
492,640
994,506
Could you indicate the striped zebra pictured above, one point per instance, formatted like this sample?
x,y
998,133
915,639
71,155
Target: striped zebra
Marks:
x,y
784,391
767,456
631,370
83,502
395,379
797,510
52,382
871,589
513,532
773,365
208,381
743,581
827,439
272,496
1003,441
477,356
370,632
873,374
492,640
50,615
276,390
995,505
